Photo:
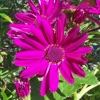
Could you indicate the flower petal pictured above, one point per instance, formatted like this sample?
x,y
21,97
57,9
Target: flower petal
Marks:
x,y
34,43
20,27
47,31
81,51
29,54
23,63
53,78
77,43
33,70
71,36
42,7
60,30
45,85
43,70
24,18
76,69
22,44
66,72
56,10
49,7
79,60
32,6
94,10
38,34
98,3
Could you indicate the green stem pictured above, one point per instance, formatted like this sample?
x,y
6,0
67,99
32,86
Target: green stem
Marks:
x,y
27,98
85,86
76,96
86,90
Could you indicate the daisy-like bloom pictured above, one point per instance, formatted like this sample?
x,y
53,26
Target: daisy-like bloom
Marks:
x,y
46,52
22,87
49,9
82,11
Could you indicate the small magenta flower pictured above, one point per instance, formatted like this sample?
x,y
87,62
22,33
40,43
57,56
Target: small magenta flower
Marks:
x,y
22,87
49,9
82,11
46,52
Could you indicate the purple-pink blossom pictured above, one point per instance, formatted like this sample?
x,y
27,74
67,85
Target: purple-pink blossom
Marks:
x,y
47,52
49,9
82,11
22,87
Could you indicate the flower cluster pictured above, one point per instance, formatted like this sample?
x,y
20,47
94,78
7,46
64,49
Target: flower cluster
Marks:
x,y
48,48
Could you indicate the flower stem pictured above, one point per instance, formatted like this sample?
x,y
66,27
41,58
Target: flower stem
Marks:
x,y
76,96
86,90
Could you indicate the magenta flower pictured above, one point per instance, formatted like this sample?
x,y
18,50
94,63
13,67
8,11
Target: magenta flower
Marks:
x,y
82,11
49,9
46,52
22,87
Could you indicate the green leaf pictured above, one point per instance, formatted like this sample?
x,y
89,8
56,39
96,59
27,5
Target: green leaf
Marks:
x,y
89,79
35,89
90,36
3,8
4,74
97,32
4,96
65,90
83,26
6,17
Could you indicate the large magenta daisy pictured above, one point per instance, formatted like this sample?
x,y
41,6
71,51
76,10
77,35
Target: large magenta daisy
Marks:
x,y
47,52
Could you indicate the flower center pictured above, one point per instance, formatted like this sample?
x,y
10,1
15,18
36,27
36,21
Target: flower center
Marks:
x,y
54,54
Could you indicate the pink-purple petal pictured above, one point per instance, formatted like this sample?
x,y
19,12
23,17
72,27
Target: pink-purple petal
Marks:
x,y
59,31
79,60
76,69
56,11
98,3
38,34
24,18
53,78
32,6
81,51
21,43
23,63
72,33
36,44
43,69
42,7
47,31
49,7
66,72
45,85
20,27
77,44
32,70
30,54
